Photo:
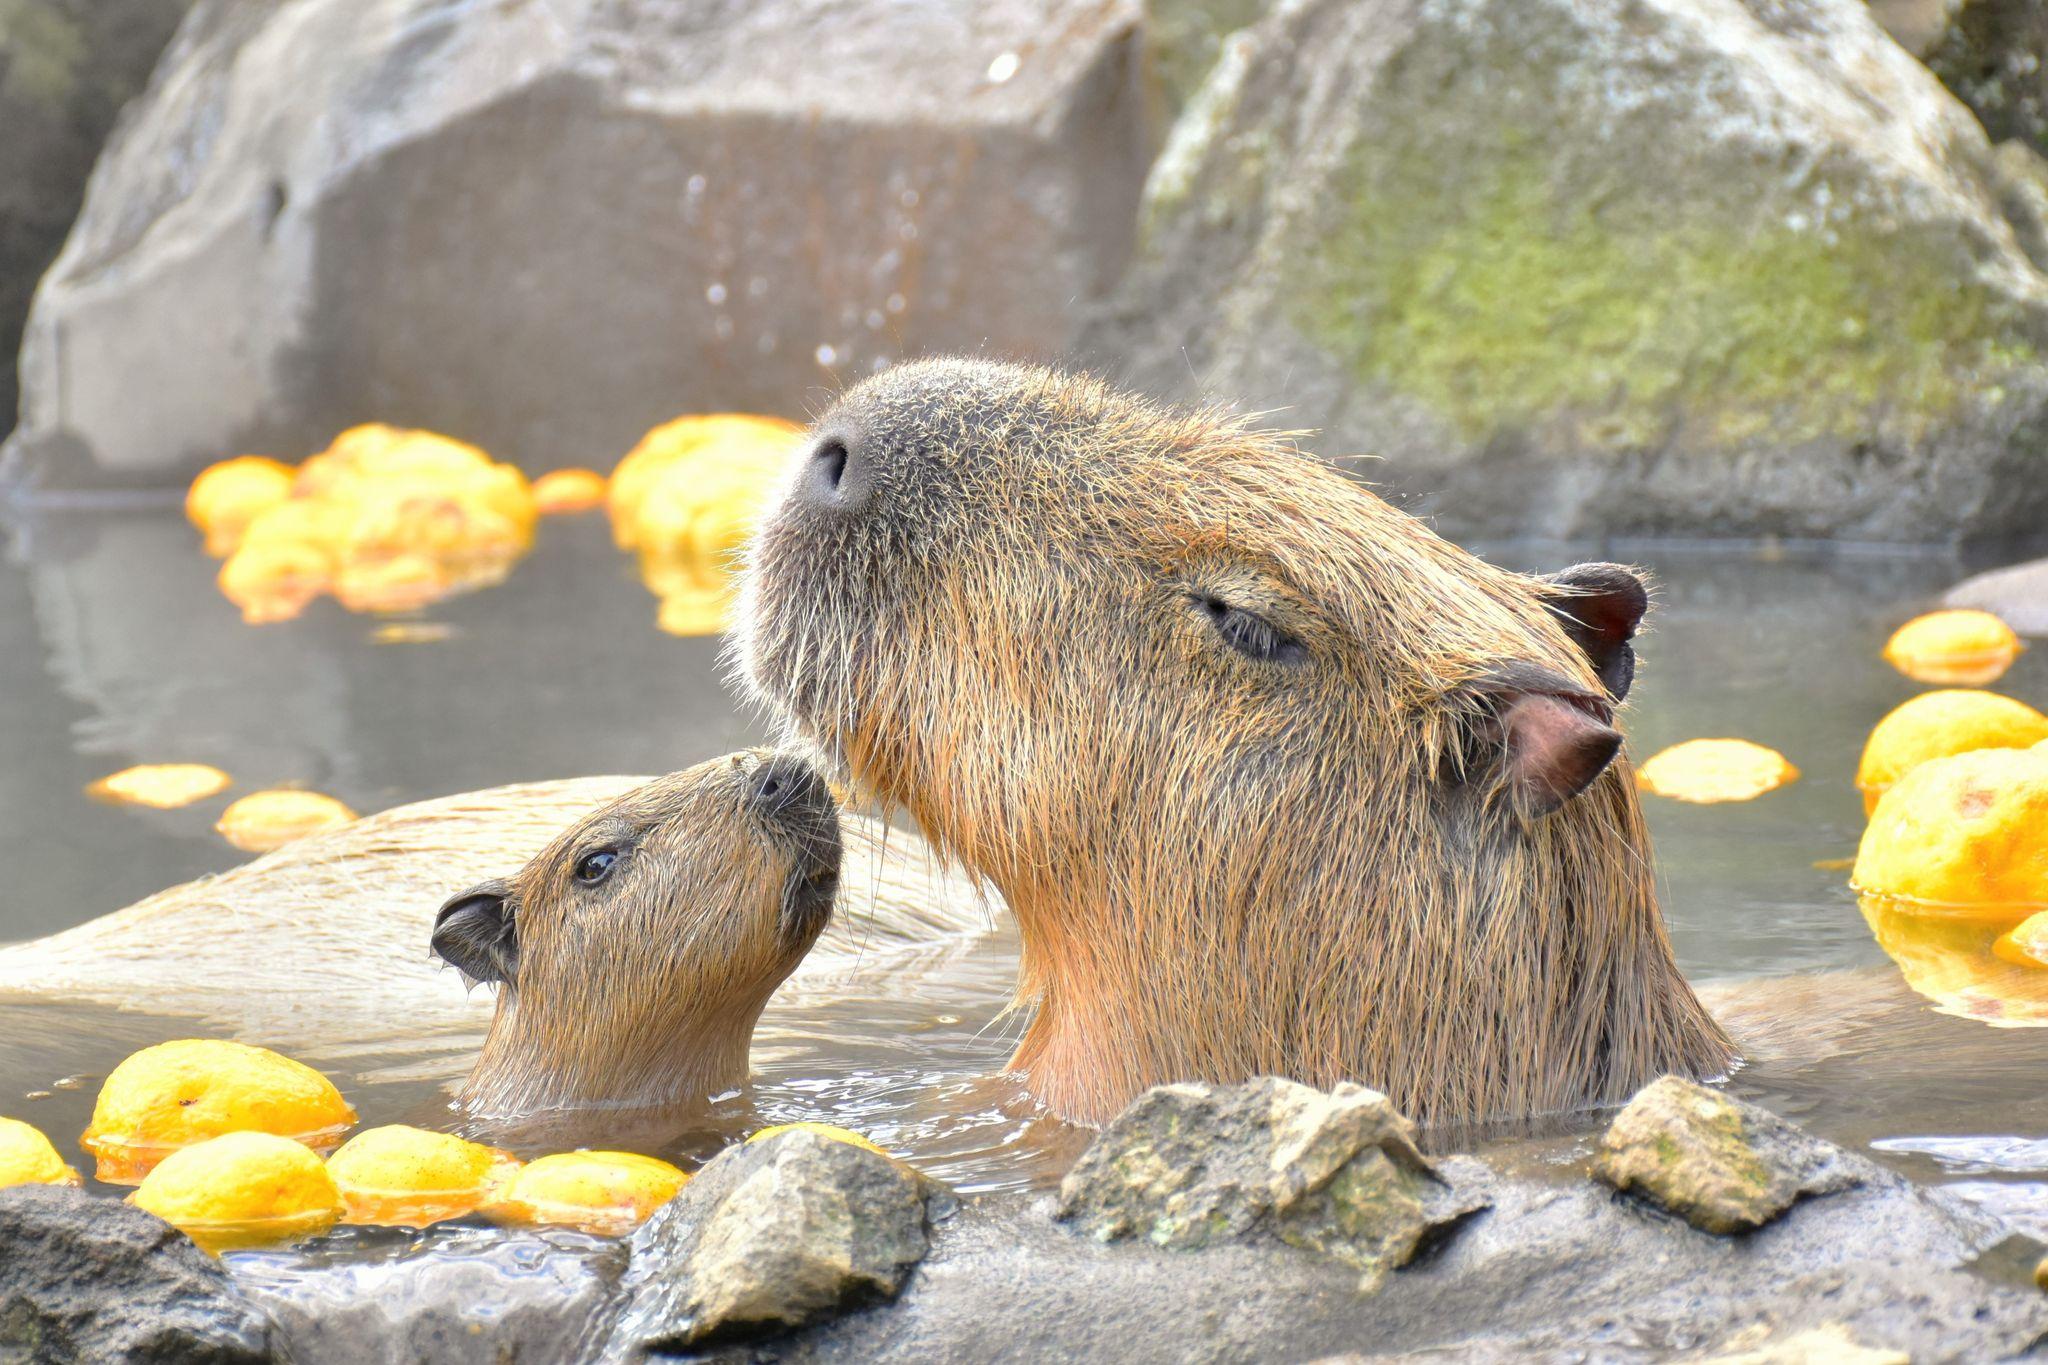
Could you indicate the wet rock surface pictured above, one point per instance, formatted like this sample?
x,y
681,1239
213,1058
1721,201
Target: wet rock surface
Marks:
x,y
2016,594
773,1235
545,228
1335,1173
802,1242
92,1280
1720,1164
1627,267
454,1296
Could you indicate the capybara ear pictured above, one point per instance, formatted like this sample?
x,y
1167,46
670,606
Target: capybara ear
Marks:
x,y
1555,750
476,934
1539,735
1600,606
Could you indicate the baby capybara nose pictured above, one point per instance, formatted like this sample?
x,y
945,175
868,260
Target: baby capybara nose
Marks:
x,y
786,789
837,477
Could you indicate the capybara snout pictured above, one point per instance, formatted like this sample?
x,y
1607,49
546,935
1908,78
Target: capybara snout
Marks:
x,y
1274,778
635,953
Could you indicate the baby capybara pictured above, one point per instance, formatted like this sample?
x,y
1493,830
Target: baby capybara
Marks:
x,y
1273,778
635,953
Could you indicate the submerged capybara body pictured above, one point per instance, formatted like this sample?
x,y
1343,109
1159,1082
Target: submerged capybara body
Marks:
x,y
634,954
1273,778
321,948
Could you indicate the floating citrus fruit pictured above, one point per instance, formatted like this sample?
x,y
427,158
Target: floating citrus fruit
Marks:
x,y
27,1158
687,498
1952,958
564,492
2026,943
1938,724
265,820
386,519
823,1130
175,1094
1710,770
227,496
400,1176
1962,647
601,1192
1968,830
242,1190
161,786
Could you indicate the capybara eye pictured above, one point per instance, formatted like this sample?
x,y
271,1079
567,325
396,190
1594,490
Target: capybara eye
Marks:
x,y
593,868
1249,633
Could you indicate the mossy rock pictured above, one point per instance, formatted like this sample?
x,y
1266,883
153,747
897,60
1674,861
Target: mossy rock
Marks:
x,y
1605,267
1722,1165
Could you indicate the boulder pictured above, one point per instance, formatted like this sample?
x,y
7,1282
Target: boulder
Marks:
x,y
545,228
771,1236
93,1280
1336,1173
2017,595
1574,266
1722,1165
66,68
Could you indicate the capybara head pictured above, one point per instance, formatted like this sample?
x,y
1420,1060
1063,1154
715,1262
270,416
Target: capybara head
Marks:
x,y
1273,778
634,954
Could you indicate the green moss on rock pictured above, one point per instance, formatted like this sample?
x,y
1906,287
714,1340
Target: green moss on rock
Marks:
x,y
1514,295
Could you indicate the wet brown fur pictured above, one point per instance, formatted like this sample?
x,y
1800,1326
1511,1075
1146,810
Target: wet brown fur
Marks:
x,y
1220,867
645,989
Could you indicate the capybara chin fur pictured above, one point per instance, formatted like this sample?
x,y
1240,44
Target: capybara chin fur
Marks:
x,y
1274,778
634,954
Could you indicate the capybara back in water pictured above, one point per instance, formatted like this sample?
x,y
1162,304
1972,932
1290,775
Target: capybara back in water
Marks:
x,y
1274,778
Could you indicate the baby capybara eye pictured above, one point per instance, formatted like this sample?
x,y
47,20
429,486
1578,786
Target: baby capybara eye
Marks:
x,y
593,868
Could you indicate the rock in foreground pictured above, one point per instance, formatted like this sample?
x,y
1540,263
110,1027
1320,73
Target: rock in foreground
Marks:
x,y
772,1235
1722,1165
1196,1165
88,1279
1604,265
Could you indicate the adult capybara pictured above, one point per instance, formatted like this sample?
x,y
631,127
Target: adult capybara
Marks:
x,y
634,954
321,947
1274,778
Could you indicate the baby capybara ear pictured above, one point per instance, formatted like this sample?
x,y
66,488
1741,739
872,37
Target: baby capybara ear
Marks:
x,y
1600,606
476,933
1538,735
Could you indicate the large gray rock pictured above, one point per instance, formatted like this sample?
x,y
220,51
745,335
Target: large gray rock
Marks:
x,y
2016,594
1604,265
770,1236
1198,1165
66,68
93,1280
1559,1270
544,228
1720,1164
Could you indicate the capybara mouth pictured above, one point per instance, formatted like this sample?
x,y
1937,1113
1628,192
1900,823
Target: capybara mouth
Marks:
x,y
795,805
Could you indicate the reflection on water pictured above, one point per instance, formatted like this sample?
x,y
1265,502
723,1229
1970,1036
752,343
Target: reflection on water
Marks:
x,y
116,648
1946,955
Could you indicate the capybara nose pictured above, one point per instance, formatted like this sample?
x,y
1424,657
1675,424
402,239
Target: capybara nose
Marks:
x,y
836,479
789,789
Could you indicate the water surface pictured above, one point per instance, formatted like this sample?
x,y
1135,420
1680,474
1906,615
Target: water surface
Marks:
x,y
115,648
